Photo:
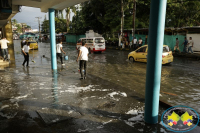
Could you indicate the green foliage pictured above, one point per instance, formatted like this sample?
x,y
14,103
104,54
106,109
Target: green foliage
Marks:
x,y
14,22
76,26
104,16
60,25
45,26
19,28
182,14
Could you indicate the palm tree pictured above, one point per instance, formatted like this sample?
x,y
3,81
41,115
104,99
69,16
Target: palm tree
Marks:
x,y
14,22
67,17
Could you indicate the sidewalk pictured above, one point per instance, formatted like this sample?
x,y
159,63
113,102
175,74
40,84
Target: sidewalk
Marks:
x,y
3,64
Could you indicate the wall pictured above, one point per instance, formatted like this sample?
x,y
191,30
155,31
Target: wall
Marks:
x,y
196,39
169,40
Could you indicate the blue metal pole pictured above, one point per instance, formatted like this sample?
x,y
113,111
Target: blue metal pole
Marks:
x,y
154,61
52,39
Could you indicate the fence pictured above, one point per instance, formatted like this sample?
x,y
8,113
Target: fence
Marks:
x,y
169,40
73,38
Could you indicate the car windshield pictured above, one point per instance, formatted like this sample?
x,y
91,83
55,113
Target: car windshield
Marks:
x,y
32,42
166,49
99,40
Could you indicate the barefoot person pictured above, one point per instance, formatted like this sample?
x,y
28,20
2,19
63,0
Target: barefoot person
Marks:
x,y
83,55
177,46
25,51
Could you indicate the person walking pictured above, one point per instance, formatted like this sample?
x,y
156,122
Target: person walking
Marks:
x,y
185,45
25,51
134,43
190,45
177,45
4,48
59,51
83,55
140,42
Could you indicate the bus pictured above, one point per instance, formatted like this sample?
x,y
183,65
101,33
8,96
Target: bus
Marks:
x,y
94,44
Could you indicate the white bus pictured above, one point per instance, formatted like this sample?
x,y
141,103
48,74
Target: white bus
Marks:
x,y
94,44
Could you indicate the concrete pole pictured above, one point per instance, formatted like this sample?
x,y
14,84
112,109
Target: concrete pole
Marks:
x,y
52,39
154,61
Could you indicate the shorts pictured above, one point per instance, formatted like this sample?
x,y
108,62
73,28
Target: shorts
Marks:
x,y
176,47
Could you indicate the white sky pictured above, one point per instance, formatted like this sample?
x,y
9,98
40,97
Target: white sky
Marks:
x,y
28,14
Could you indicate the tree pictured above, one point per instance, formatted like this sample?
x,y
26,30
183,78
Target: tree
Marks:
x,y
19,28
104,16
182,14
67,17
60,25
45,25
14,22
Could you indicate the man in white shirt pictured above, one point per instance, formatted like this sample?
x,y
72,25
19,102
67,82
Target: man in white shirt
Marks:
x,y
25,51
59,51
190,45
140,42
4,48
134,43
83,55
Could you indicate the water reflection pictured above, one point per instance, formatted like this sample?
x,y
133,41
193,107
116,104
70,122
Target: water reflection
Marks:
x,y
26,70
55,89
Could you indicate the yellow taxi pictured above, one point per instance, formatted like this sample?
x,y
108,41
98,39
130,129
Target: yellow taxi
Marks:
x,y
33,43
140,54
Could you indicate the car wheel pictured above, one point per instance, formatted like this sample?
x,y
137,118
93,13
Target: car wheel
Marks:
x,y
131,58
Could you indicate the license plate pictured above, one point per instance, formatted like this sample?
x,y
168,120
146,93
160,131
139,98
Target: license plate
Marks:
x,y
169,60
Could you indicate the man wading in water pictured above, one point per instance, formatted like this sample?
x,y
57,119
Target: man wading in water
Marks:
x,y
83,54
25,51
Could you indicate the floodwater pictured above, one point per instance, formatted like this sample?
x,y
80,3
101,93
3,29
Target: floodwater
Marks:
x,y
111,99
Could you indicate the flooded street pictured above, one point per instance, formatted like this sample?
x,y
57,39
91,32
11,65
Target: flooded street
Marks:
x,y
111,99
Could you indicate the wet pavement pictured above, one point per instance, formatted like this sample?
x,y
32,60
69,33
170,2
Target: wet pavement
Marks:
x,y
110,100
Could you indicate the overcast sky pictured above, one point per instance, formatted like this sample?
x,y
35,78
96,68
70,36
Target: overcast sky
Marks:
x,y
28,14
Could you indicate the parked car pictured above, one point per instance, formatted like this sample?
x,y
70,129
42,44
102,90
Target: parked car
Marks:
x,y
140,54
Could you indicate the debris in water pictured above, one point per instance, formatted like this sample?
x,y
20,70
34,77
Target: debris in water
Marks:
x,y
132,112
